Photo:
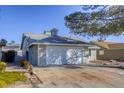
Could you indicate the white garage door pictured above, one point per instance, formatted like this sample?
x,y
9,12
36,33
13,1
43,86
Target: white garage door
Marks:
x,y
64,55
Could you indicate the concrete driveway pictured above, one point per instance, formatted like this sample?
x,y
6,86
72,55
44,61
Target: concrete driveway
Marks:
x,y
80,76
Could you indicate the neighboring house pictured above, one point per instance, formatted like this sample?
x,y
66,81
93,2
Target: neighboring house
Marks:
x,y
110,51
11,52
1,45
51,49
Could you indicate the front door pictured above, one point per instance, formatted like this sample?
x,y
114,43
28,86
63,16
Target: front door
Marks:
x,y
93,55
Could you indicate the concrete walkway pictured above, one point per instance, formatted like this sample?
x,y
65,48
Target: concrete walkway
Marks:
x,y
14,67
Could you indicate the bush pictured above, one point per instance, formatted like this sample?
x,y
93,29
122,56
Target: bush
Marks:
x,y
30,69
2,66
24,64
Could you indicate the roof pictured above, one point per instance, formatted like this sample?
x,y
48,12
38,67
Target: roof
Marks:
x,y
11,46
117,46
2,44
42,38
109,45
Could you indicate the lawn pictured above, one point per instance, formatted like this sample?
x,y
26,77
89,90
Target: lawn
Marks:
x,y
8,78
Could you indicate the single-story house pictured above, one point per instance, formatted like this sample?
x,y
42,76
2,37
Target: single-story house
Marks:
x,y
11,52
110,50
1,46
52,49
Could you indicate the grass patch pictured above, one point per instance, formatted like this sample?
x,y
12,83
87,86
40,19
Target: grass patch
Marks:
x,y
8,78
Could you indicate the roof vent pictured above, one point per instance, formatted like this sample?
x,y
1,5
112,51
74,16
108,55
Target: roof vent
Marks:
x,y
52,32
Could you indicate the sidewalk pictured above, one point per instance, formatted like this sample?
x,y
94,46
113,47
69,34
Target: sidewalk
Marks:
x,y
14,67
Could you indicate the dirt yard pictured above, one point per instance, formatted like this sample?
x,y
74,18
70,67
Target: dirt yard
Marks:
x,y
80,76
74,77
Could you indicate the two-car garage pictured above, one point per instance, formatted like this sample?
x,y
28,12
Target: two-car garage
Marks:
x,y
63,55
56,55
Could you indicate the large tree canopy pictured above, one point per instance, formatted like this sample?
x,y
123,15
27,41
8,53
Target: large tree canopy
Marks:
x,y
96,20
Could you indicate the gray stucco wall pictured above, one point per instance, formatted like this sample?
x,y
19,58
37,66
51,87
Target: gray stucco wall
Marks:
x,y
24,49
33,55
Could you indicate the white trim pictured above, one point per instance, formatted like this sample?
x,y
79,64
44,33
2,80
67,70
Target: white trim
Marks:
x,y
94,47
54,44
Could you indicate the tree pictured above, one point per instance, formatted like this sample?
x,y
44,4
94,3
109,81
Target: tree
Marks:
x,y
97,20
54,29
12,41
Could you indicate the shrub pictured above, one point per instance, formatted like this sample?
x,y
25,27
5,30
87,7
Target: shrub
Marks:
x,y
2,66
30,69
24,64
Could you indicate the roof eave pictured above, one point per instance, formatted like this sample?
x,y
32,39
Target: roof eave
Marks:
x,y
51,44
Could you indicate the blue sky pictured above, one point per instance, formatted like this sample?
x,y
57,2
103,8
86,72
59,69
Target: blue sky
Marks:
x,y
15,20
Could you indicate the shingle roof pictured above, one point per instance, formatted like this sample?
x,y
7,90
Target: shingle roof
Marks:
x,y
41,38
12,46
110,45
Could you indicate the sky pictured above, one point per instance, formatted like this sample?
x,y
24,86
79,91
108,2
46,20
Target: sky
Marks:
x,y
15,20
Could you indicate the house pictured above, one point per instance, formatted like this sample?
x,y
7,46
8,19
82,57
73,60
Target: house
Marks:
x,y
110,50
11,52
51,49
1,45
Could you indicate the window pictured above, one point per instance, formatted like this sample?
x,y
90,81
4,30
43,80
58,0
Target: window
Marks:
x,y
101,52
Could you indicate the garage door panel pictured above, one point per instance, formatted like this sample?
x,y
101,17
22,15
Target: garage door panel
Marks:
x,y
64,55
74,56
54,56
